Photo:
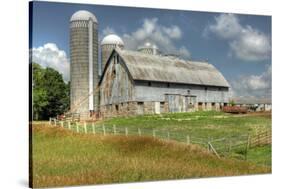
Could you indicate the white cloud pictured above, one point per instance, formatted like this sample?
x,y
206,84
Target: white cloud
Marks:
x,y
49,55
245,42
252,45
254,85
226,26
108,30
160,35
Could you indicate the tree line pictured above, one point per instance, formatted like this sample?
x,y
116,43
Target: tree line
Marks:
x,y
50,94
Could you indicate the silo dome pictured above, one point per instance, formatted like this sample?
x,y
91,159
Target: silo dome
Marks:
x,y
83,15
112,39
149,48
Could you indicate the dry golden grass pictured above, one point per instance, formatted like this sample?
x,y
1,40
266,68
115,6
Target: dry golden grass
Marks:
x,y
64,158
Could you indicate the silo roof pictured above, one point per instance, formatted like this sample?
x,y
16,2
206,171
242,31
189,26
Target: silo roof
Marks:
x,y
83,15
112,39
164,69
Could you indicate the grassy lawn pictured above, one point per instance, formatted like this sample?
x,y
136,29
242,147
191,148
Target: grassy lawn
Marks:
x,y
62,157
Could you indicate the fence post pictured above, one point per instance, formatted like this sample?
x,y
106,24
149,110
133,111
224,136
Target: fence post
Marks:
x,y
61,123
55,120
94,128
126,131
85,127
153,133
168,135
114,129
77,128
139,131
69,125
103,128
187,139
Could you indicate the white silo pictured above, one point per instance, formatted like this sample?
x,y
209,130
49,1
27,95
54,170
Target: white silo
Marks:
x,y
149,48
83,62
109,43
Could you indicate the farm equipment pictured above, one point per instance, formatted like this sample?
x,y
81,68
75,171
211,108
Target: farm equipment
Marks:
x,y
235,109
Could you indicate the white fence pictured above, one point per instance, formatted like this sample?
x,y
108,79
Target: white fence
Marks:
x,y
220,147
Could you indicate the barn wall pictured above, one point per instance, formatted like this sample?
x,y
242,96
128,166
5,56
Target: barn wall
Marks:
x,y
131,108
157,91
116,86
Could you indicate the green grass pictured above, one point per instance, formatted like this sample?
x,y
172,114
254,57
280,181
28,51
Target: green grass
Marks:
x,y
202,124
260,155
62,157
201,127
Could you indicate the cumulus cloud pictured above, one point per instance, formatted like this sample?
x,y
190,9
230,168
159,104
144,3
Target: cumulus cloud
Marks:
x,y
254,85
106,31
226,26
49,55
245,42
151,31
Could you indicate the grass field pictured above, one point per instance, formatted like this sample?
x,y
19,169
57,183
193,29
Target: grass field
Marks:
x,y
201,124
62,157
205,126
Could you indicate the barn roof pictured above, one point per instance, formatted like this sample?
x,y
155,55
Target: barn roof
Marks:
x,y
166,69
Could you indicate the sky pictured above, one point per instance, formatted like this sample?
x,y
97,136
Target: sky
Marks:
x,y
239,46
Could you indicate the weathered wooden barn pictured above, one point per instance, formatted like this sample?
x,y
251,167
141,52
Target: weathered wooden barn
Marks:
x,y
134,83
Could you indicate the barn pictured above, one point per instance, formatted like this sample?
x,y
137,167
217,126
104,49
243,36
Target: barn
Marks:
x,y
134,82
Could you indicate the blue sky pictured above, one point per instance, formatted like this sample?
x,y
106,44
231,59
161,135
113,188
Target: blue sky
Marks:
x,y
238,45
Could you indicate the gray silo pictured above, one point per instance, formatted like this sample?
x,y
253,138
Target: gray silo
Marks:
x,y
83,62
148,48
109,43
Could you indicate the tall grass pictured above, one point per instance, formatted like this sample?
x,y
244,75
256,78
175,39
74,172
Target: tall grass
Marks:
x,y
62,157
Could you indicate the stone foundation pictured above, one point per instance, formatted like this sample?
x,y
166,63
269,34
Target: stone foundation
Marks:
x,y
131,109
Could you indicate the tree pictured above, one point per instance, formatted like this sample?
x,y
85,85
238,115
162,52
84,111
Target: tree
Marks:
x,y
50,93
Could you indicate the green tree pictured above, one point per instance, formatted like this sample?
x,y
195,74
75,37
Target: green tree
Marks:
x,y
50,93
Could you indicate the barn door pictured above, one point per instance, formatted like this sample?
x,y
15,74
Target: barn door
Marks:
x,y
173,102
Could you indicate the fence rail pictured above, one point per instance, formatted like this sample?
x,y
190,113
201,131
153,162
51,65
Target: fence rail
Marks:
x,y
221,147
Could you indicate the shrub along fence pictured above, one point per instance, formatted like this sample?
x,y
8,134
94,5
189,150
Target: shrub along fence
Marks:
x,y
236,146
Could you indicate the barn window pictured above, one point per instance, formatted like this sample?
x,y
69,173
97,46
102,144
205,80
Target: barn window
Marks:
x,y
149,83
116,107
206,88
140,103
188,91
213,104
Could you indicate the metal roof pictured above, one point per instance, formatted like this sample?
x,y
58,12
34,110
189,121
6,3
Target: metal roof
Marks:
x,y
164,69
83,15
112,39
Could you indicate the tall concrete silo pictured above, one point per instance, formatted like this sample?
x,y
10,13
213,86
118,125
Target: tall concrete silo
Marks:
x,y
83,62
108,43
